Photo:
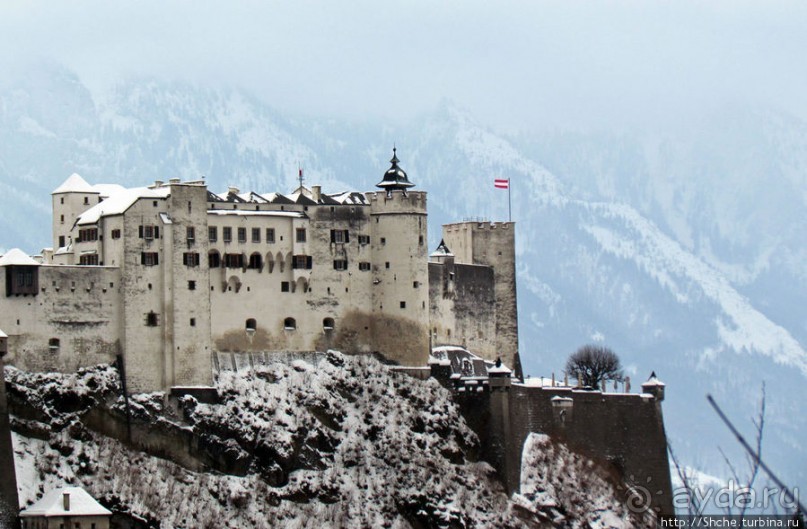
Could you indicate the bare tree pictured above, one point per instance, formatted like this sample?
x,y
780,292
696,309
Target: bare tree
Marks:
x,y
593,364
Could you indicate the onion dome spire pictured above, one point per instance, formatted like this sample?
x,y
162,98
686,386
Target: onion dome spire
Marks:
x,y
395,177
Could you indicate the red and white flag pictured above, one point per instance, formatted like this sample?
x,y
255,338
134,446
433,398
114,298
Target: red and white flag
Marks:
x,y
501,183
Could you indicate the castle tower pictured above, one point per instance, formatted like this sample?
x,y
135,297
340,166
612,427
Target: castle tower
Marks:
x,y
400,290
492,244
69,200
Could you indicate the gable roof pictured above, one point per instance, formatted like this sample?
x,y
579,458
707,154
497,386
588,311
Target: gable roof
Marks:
x,y
52,504
15,256
118,203
74,184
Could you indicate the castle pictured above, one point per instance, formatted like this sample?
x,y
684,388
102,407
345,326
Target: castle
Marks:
x,y
167,275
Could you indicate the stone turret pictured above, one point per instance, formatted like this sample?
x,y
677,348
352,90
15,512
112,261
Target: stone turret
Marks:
x,y
654,387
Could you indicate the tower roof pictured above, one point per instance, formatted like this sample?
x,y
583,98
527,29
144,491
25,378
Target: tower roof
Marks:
x,y
395,177
74,184
442,250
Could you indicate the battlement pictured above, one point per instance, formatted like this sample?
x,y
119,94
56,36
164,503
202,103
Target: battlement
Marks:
x,y
478,225
409,202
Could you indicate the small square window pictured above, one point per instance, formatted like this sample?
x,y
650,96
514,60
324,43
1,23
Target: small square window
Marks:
x,y
403,304
383,241
284,286
151,319
154,203
301,236
386,265
193,322
191,285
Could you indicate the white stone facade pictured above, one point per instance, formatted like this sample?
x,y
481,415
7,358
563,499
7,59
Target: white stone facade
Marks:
x,y
167,275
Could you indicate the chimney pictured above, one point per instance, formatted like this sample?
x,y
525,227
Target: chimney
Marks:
x,y
66,501
234,190
174,180
316,193
158,183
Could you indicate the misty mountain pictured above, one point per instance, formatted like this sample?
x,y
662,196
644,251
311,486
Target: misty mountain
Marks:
x,y
682,250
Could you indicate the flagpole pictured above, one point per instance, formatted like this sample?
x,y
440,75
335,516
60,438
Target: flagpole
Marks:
x,y
509,203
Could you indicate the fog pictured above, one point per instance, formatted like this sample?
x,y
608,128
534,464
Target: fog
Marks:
x,y
515,65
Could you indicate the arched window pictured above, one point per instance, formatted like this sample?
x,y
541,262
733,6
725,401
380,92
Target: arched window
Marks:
x,y
289,324
213,259
53,345
255,261
327,324
251,325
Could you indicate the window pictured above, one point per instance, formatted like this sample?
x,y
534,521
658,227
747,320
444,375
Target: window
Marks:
x,y
340,264
86,200
149,258
53,345
270,235
403,304
302,262
116,234
340,236
227,234
364,266
289,324
151,319
242,235
190,234
300,234
383,241
190,259
88,260
62,218
284,286
256,235
234,260
364,239
87,234
251,325
213,259
149,232
415,284
255,261
61,200
212,234
386,265
327,324
61,241
191,285
154,203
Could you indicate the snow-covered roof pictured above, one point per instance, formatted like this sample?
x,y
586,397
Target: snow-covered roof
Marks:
x,y
15,256
653,381
349,198
501,369
248,213
107,190
74,184
441,250
2,334
118,203
52,504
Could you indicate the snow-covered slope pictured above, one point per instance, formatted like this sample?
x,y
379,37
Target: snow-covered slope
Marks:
x,y
332,441
682,250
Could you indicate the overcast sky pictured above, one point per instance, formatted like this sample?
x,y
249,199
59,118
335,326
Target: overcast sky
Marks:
x,y
516,65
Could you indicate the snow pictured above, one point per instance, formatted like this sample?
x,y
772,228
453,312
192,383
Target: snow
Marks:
x,y
74,184
107,190
326,440
165,218
2,334
251,213
15,256
118,203
52,504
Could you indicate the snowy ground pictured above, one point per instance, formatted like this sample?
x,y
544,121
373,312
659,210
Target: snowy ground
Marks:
x,y
342,442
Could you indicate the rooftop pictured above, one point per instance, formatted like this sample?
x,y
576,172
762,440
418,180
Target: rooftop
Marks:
x,y
15,256
53,504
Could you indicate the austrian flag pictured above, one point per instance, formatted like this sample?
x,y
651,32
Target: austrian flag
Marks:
x,y
501,183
